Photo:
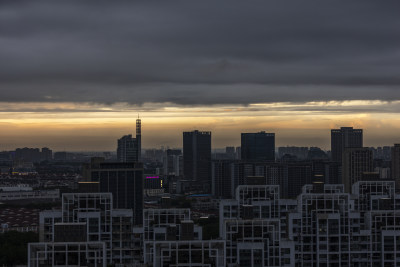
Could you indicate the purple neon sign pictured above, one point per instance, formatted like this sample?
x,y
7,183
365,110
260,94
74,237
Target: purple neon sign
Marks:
x,y
152,177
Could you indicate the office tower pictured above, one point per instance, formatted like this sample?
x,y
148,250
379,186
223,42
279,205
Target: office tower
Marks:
x,y
345,137
258,146
222,178
125,182
197,157
396,164
296,176
129,149
355,162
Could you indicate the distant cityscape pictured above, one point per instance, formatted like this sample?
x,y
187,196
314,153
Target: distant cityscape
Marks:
x,y
253,205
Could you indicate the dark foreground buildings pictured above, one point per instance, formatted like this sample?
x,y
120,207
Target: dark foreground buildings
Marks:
x,y
125,182
323,226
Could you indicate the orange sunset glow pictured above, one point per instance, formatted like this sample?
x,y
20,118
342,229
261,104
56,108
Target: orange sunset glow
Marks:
x,y
96,127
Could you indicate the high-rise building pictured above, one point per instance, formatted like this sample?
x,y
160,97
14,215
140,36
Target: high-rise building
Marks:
x,y
222,178
197,157
297,176
125,182
129,149
328,171
345,137
355,163
171,162
396,164
258,146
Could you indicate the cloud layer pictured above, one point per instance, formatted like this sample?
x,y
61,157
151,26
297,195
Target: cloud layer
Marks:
x,y
199,52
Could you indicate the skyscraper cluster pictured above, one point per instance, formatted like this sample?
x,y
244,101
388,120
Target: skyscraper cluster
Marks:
x,y
287,212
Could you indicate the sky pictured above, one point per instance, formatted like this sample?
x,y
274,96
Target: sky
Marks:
x,y
74,75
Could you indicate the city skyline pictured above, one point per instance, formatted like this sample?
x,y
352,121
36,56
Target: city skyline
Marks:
x,y
172,138
199,133
78,74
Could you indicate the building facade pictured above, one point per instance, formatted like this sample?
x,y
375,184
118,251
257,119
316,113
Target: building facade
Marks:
x,y
258,146
324,226
396,164
125,182
197,157
345,137
129,149
356,162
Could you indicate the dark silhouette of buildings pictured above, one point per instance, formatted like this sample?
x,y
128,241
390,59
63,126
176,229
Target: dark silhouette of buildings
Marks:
x,y
47,154
33,154
227,175
300,152
222,181
197,157
356,162
60,156
345,137
258,146
139,138
396,164
129,149
125,182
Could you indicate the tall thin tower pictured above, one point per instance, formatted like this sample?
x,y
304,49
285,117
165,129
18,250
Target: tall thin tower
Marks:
x,y
139,137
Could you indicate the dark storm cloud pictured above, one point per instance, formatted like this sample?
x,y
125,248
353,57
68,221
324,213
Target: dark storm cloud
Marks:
x,y
199,52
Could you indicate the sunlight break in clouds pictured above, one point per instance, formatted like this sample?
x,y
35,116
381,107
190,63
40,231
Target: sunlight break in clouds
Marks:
x,y
96,127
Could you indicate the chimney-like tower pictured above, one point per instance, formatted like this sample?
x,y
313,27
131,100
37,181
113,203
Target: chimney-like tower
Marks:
x,y
139,137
